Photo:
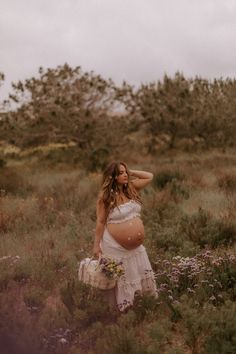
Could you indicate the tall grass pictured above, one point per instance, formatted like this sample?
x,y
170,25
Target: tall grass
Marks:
x,y
47,222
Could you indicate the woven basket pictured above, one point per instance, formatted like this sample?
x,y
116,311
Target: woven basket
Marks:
x,y
89,273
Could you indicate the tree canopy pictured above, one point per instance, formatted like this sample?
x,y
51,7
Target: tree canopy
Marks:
x,y
67,105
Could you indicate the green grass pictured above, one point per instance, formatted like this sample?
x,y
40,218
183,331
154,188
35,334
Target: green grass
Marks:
x,y
47,224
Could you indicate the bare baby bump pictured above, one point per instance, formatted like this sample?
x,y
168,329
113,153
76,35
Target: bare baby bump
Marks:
x,y
129,234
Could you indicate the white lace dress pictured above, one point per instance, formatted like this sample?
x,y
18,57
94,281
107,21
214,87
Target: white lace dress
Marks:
x,y
138,275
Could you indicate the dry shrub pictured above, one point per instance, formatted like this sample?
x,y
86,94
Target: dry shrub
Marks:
x,y
18,334
209,330
2,162
12,213
196,180
227,182
164,177
71,192
121,337
11,181
214,201
5,220
202,229
221,330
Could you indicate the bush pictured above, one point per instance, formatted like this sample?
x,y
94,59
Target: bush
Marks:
x,y
224,272
2,162
206,278
34,298
161,179
193,324
11,181
85,304
178,191
202,229
221,325
227,182
145,307
160,333
17,335
121,338
170,241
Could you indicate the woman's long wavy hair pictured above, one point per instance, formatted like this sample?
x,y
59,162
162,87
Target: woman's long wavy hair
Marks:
x,y
109,189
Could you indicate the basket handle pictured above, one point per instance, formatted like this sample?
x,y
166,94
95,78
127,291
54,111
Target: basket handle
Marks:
x,y
93,258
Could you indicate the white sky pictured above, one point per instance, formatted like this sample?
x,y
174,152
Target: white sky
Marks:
x,y
132,40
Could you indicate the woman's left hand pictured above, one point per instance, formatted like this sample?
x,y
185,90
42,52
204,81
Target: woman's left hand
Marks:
x,y
97,251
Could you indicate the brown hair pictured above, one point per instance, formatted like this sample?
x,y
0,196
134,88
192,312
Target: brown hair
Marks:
x,y
109,187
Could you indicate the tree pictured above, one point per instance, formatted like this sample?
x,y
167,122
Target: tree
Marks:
x,y
65,105
165,107
59,106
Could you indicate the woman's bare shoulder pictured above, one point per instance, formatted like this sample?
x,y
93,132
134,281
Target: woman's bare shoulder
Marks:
x,y
100,198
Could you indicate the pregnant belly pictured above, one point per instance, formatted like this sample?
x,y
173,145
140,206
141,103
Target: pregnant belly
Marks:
x,y
129,234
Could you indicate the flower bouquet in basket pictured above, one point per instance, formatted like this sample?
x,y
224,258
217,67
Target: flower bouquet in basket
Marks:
x,y
101,274
111,268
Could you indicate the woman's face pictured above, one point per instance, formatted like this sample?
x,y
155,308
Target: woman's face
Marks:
x,y
122,178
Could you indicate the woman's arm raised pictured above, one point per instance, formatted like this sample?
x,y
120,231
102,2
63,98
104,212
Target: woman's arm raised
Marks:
x,y
142,179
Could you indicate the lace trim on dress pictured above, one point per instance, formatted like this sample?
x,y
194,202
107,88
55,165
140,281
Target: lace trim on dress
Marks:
x,y
134,215
124,283
124,212
145,285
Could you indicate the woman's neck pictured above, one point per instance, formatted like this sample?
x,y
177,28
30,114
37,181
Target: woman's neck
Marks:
x,y
120,189
121,198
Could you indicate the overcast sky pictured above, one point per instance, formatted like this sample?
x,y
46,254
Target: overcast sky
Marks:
x,y
132,40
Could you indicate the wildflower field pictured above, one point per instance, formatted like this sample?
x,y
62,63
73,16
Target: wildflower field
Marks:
x,y
47,224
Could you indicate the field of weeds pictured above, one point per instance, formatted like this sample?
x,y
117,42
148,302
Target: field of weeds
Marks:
x,y
47,223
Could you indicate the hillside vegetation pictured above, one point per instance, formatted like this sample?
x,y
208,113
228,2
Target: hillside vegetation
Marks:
x,y
95,119
68,124
47,222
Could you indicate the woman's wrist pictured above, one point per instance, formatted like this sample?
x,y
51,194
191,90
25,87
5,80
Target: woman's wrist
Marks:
x,y
97,240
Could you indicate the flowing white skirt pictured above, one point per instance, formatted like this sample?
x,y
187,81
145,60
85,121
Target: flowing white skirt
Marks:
x,y
138,275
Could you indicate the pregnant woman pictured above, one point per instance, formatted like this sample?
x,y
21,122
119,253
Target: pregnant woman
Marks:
x,y
120,231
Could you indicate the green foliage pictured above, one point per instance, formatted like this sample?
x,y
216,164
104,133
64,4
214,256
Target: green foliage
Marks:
x,y
53,319
173,242
84,303
222,328
193,324
224,273
79,109
205,279
202,229
178,191
211,330
47,228
23,270
177,108
11,181
34,297
16,334
13,268
145,307
5,277
166,108
65,105
2,162
121,338
227,182
162,178
160,334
